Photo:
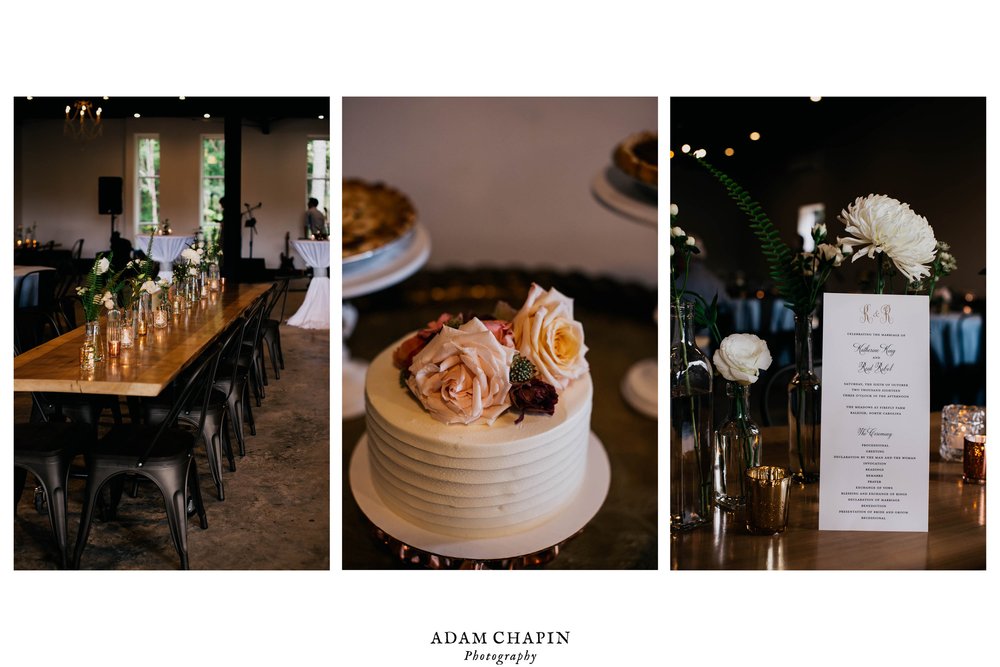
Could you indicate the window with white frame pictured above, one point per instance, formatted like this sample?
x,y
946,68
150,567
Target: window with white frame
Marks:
x,y
147,183
213,182
318,173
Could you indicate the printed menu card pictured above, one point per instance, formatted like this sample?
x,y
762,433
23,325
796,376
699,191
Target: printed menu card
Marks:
x,y
875,452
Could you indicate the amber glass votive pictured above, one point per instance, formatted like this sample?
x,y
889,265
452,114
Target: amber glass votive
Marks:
x,y
768,489
974,459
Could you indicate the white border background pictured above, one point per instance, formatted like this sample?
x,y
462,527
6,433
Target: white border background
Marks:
x,y
514,48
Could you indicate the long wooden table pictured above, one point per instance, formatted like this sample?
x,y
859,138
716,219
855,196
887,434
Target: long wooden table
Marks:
x,y
148,367
956,536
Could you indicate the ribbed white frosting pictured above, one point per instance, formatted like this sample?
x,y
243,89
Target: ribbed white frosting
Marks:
x,y
476,480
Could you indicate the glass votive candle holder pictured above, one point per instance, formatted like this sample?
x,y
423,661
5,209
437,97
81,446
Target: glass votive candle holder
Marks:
x,y
958,421
114,333
768,489
160,317
128,331
974,459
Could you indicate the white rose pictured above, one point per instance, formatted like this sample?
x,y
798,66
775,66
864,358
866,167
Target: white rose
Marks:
x,y
689,241
102,265
191,255
677,231
674,210
548,336
463,375
150,287
740,357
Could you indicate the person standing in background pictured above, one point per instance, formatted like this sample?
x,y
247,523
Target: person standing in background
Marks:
x,y
315,220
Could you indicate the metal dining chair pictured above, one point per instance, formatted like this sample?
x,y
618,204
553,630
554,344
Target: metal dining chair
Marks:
x,y
46,449
163,454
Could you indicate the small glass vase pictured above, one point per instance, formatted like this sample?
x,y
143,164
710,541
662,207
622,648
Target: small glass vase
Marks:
x,y
203,285
213,277
114,332
737,448
804,399
88,351
690,425
92,331
191,292
144,314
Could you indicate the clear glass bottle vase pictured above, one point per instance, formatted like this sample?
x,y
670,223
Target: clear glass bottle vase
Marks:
x,y
737,447
804,400
691,446
92,332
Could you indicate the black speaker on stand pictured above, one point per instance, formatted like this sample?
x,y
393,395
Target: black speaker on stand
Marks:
x,y
109,197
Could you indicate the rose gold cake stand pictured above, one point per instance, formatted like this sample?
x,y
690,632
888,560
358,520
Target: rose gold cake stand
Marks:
x,y
539,545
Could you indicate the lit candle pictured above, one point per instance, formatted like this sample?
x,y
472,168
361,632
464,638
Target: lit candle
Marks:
x,y
127,336
142,326
114,348
160,319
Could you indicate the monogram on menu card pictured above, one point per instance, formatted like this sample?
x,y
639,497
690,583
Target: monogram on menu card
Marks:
x,y
881,314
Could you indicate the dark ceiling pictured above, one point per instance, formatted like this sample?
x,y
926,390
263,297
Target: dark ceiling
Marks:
x,y
262,110
790,125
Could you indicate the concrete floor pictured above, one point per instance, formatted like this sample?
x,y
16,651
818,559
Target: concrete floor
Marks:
x,y
276,515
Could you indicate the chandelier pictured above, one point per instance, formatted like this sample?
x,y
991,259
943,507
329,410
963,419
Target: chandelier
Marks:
x,y
83,121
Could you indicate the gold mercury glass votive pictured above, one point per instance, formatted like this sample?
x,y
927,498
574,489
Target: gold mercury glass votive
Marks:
x,y
768,490
974,459
160,318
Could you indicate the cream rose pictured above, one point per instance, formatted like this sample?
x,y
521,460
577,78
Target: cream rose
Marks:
x,y
191,255
740,357
463,375
546,333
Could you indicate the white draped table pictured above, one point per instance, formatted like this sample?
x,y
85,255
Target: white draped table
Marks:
x,y
315,310
166,248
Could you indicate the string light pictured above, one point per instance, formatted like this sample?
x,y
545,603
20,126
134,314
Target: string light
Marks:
x,y
754,136
729,152
686,148
815,98
700,153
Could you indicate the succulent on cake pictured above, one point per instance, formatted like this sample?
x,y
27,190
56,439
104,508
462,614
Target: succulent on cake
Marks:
x,y
469,369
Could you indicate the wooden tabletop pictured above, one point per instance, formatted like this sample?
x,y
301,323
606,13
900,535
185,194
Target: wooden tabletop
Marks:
x,y
147,368
956,536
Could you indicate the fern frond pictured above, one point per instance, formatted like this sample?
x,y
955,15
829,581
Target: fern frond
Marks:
x,y
780,258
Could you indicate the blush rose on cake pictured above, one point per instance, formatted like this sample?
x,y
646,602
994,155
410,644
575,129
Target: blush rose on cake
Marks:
x,y
464,459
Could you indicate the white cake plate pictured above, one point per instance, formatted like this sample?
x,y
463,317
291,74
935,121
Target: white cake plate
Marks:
x,y
364,277
639,387
564,525
617,192
385,270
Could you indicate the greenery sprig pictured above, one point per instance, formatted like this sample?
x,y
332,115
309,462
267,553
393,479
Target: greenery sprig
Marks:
x,y
781,260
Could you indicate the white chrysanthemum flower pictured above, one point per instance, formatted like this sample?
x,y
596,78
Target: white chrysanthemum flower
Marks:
x,y
878,223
